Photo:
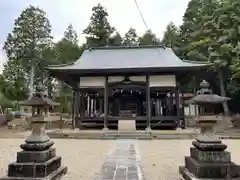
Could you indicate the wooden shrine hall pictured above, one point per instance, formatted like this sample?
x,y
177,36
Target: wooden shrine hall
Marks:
x,y
138,83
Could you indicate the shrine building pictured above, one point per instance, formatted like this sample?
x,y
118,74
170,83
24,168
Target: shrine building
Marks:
x,y
140,83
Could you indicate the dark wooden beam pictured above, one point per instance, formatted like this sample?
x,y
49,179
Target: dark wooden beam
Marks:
x,y
106,103
148,101
73,109
177,93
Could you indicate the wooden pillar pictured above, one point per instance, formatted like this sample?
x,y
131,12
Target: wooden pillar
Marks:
x,y
82,108
177,93
148,102
73,108
100,105
94,104
88,105
91,106
106,104
76,106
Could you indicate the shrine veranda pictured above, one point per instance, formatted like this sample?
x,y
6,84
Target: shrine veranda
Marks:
x,y
139,83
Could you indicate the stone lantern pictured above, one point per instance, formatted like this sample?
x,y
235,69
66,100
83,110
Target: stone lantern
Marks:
x,y
38,159
208,158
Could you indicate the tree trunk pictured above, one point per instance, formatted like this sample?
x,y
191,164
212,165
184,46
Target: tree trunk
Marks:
x,y
32,81
226,122
223,92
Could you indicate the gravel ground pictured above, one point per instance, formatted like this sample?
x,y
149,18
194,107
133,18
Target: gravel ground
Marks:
x,y
161,158
84,158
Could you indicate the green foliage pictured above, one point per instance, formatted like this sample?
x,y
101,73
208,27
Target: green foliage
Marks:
x,y
24,47
70,35
131,38
210,32
148,38
65,51
171,36
116,40
99,29
13,81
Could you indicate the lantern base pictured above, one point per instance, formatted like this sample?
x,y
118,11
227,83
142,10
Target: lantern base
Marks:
x,y
209,165
36,146
54,176
209,146
186,175
38,165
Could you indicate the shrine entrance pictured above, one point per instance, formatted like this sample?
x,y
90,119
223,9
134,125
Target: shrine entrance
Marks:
x,y
128,99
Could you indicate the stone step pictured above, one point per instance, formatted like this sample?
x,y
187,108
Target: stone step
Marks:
x,y
127,125
127,135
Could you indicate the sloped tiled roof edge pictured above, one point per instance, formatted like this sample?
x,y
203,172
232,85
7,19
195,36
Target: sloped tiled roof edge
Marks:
x,y
147,48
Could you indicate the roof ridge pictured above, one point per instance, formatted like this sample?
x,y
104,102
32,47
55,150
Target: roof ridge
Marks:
x,y
196,62
125,47
61,65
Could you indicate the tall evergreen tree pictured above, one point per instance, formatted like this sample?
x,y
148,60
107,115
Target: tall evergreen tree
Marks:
x,y
171,37
131,38
116,40
70,35
99,29
66,50
148,38
14,82
224,49
31,35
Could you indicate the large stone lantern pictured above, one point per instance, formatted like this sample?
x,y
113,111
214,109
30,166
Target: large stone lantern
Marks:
x,y
38,159
208,158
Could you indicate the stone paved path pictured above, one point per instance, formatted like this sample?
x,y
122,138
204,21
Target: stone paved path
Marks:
x,y
123,162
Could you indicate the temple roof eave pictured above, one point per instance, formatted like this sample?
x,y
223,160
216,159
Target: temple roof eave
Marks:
x,y
127,59
72,70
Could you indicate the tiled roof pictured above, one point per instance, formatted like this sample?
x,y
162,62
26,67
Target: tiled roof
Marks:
x,y
127,58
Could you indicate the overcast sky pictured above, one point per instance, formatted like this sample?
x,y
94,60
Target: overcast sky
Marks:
x,y
123,14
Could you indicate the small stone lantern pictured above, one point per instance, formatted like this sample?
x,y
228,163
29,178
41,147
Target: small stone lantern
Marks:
x,y
208,158
38,159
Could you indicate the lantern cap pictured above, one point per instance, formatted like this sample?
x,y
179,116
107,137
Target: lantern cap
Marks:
x,y
208,99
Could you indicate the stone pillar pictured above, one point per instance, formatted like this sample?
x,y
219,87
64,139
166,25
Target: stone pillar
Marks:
x,y
106,104
148,103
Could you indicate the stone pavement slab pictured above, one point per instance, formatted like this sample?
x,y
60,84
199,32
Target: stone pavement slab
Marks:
x,y
123,162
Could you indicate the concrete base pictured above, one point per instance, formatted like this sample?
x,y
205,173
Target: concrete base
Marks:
x,y
53,176
105,129
127,125
148,130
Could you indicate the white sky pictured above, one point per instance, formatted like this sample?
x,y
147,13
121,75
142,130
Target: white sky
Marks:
x,y
123,14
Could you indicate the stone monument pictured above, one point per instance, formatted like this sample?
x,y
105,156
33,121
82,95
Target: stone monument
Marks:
x,y
38,159
208,158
